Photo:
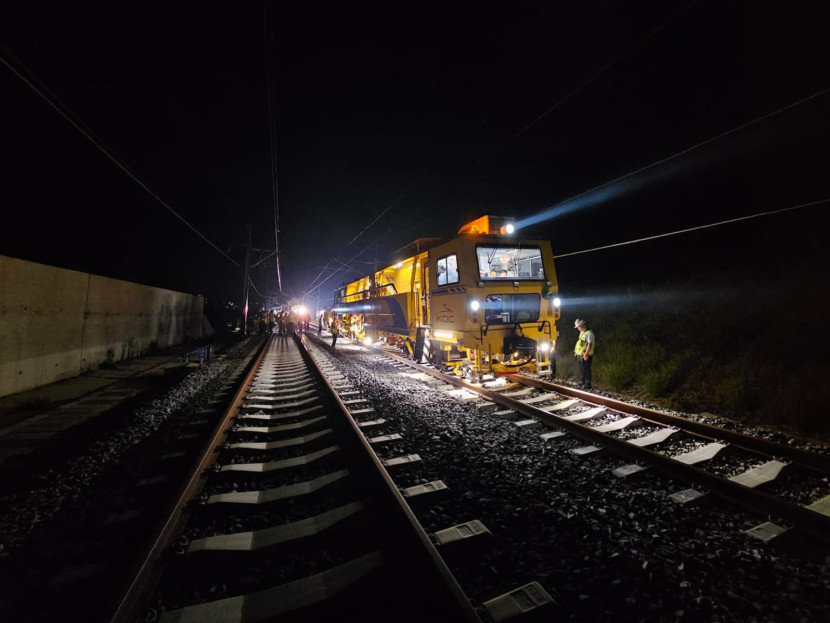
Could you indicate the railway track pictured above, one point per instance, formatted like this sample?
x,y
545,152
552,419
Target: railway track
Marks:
x,y
289,515
753,473
471,498
526,525
76,512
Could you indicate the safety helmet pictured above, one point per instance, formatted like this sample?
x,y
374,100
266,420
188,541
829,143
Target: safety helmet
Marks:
x,y
579,322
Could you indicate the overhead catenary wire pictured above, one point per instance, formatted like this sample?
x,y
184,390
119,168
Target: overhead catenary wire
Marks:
x,y
64,111
572,93
335,270
683,152
273,136
696,228
253,285
379,216
600,72
346,268
311,287
255,264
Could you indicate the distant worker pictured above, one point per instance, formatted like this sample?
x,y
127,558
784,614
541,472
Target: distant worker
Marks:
x,y
292,322
320,323
335,330
503,273
584,351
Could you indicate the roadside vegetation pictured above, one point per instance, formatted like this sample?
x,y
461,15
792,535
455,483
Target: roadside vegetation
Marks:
x,y
741,350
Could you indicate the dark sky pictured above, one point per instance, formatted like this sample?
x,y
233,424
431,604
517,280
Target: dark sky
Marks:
x,y
421,106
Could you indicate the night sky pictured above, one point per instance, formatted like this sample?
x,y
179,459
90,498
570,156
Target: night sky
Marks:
x,y
427,113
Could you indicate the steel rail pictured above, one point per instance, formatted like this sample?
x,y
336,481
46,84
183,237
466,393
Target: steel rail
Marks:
x,y
818,462
149,569
417,530
811,522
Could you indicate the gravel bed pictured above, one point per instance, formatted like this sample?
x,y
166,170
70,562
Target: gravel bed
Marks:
x,y
608,418
63,522
254,437
728,464
636,432
25,512
265,572
606,549
227,482
800,486
213,521
241,456
680,443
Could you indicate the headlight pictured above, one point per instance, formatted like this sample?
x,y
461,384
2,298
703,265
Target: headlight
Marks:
x,y
367,341
557,302
474,305
545,347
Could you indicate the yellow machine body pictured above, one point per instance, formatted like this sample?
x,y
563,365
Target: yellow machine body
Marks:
x,y
482,302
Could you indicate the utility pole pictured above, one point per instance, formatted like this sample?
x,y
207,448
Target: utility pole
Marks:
x,y
245,286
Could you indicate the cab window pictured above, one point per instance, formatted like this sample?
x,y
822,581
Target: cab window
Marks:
x,y
511,308
446,270
510,263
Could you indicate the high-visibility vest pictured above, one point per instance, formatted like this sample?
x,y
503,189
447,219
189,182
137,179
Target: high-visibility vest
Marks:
x,y
335,326
582,343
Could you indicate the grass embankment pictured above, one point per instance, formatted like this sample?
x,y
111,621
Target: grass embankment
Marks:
x,y
735,350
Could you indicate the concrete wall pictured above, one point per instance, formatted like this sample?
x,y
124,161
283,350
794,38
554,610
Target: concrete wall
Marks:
x,y
57,323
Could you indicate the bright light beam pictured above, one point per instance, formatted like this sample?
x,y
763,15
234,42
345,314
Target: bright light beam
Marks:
x,y
613,188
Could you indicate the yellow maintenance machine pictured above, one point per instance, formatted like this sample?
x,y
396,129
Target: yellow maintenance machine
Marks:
x,y
482,302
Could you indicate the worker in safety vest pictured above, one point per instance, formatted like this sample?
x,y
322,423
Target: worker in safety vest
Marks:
x,y
335,330
584,351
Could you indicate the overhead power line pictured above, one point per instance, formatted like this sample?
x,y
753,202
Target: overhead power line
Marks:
x,y
378,217
599,73
273,134
711,140
550,212
311,287
64,111
537,119
688,229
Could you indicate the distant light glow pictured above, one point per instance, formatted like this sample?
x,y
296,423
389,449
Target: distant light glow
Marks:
x,y
367,340
302,310
398,265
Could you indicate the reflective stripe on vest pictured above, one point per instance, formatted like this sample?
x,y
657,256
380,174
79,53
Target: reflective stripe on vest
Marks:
x,y
582,343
